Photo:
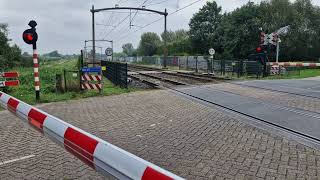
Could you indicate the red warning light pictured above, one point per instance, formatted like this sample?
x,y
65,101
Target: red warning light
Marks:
x,y
259,49
30,36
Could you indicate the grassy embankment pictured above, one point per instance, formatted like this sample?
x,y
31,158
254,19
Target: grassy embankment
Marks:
x,y
48,71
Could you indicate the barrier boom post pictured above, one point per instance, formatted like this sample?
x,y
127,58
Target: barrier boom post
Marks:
x,y
95,152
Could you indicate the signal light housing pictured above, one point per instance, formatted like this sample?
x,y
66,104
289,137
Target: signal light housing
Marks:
x,y
30,36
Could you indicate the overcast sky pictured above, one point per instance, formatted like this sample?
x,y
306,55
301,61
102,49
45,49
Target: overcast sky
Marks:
x,y
63,25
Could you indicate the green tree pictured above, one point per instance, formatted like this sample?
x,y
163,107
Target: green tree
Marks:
x,y
238,31
303,39
203,27
178,42
174,36
54,53
128,49
26,54
149,44
4,46
170,37
9,55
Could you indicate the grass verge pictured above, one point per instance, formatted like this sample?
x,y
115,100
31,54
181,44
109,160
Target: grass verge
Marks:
x,y
48,71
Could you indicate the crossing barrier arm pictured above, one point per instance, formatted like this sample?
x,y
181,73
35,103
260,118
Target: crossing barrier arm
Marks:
x,y
95,152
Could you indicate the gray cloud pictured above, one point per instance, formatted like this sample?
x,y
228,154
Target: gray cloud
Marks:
x,y
63,25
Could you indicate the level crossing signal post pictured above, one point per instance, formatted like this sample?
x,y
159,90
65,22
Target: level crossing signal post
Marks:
x,y
30,36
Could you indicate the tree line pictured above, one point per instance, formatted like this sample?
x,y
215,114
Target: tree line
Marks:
x,y
10,56
236,34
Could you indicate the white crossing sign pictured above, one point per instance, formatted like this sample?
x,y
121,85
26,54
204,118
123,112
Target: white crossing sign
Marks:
x,y
109,51
212,51
273,37
283,30
266,39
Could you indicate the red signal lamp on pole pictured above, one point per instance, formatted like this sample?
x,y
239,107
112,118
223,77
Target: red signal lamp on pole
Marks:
x,y
30,36
258,49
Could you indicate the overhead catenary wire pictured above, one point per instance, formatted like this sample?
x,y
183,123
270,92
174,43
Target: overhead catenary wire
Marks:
x,y
180,9
107,23
111,18
117,25
142,27
131,20
108,33
157,3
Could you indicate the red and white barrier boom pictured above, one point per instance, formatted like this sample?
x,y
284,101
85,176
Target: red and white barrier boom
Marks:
x,y
97,153
293,64
12,74
9,83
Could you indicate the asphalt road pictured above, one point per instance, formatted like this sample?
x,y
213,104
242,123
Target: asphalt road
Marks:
x,y
295,119
309,87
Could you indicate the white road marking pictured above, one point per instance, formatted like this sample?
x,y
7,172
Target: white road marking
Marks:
x,y
17,159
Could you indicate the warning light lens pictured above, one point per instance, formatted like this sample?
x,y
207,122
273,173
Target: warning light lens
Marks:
x,y
29,37
259,49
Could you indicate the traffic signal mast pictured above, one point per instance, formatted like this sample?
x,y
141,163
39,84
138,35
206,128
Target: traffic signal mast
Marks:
x,y
30,36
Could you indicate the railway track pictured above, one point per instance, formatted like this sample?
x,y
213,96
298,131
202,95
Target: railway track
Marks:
x,y
155,81
184,78
144,68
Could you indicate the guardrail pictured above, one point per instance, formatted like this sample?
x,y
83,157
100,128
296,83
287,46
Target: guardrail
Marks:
x,y
95,152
